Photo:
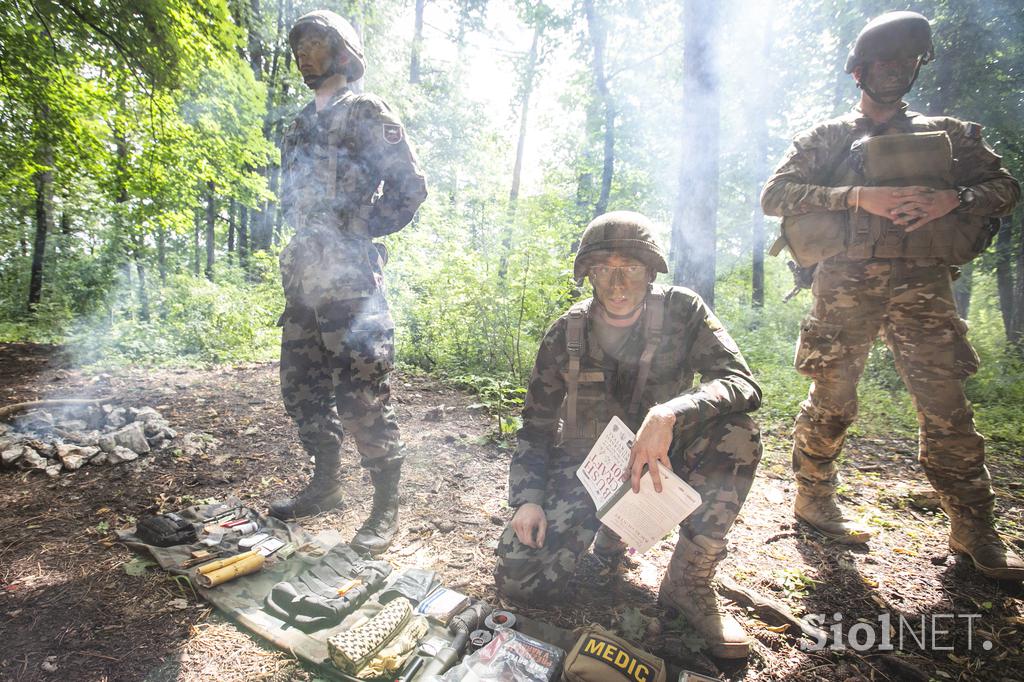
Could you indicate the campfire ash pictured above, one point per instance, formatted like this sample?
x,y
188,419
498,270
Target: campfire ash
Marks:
x,y
69,437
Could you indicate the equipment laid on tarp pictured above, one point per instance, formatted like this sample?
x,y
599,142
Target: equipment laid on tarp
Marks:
x,y
351,616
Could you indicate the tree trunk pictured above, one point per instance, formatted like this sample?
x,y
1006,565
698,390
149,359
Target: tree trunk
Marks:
x,y
140,271
243,237
598,34
1016,336
759,121
962,290
161,254
694,220
1004,274
43,181
211,221
197,227
231,226
417,44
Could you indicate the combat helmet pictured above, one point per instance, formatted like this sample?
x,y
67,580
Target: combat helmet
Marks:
x,y
341,30
624,232
893,35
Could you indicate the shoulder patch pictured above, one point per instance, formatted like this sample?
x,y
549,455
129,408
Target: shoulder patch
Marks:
x,y
972,130
392,133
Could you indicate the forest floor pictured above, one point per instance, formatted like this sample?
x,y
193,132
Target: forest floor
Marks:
x,y
69,610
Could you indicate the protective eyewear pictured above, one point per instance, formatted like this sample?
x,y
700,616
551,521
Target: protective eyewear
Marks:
x,y
605,274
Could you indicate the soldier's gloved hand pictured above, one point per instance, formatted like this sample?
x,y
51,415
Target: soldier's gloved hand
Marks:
x,y
651,445
530,524
921,205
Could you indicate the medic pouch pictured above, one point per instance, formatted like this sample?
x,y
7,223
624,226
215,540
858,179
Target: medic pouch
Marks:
x,y
165,530
906,159
601,656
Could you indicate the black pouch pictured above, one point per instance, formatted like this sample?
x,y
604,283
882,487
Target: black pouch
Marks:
x,y
165,530
311,601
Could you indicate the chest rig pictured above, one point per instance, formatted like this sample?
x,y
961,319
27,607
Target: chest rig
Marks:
x,y
590,401
318,196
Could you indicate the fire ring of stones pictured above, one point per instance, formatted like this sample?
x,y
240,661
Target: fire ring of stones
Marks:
x,y
69,437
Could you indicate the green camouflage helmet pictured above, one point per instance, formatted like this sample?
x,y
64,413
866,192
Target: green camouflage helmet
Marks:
x,y
893,35
624,232
340,30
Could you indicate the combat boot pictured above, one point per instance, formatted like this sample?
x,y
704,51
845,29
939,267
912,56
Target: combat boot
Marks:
x,y
687,588
822,514
975,536
322,494
377,532
609,551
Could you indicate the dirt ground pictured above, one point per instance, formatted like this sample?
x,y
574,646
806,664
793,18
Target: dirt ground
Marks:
x,y
69,610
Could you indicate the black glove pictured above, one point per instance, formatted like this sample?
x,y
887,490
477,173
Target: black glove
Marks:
x,y
165,530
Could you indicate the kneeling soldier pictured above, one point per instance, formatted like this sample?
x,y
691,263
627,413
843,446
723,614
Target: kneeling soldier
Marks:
x,y
632,351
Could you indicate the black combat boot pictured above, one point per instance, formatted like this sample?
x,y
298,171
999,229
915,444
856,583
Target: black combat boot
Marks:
x,y
322,494
379,529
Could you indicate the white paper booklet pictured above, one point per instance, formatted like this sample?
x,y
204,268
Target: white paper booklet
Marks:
x,y
642,518
602,470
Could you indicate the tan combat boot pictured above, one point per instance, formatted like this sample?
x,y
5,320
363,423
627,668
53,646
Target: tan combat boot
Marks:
x,y
322,494
687,588
822,514
609,551
975,536
378,531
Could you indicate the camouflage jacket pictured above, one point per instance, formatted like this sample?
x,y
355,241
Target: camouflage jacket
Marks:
x,y
370,147
799,184
348,175
693,341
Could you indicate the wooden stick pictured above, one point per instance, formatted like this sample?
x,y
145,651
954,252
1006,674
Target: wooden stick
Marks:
x,y
8,410
769,610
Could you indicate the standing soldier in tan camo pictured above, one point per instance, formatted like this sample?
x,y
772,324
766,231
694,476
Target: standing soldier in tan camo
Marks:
x,y
881,202
349,176
632,351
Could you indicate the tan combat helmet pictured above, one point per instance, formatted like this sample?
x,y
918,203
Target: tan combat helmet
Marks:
x,y
893,35
342,31
624,232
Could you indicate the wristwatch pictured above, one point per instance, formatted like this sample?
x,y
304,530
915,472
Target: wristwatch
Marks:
x,y
964,195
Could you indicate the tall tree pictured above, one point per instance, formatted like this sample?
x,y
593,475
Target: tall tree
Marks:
x,y
598,33
694,220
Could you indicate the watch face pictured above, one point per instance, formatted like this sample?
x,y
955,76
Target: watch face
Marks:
x,y
968,196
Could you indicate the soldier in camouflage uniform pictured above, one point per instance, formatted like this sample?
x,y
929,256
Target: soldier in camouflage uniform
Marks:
x,y
349,176
632,351
892,278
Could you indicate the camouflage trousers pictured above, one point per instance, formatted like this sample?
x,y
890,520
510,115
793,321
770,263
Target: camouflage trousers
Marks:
x,y
718,458
336,360
911,304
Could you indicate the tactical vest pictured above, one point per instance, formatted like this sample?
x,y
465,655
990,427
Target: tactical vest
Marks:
x,y
322,200
891,158
589,404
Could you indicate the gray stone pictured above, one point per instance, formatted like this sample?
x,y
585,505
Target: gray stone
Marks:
x,y
117,418
121,455
88,438
133,437
106,443
156,427
53,471
11,455
74,425
144,415
31,459
4,428
99,458
73,456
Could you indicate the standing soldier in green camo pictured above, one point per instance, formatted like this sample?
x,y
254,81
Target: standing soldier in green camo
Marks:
x,y
632,351
349,176
884,200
